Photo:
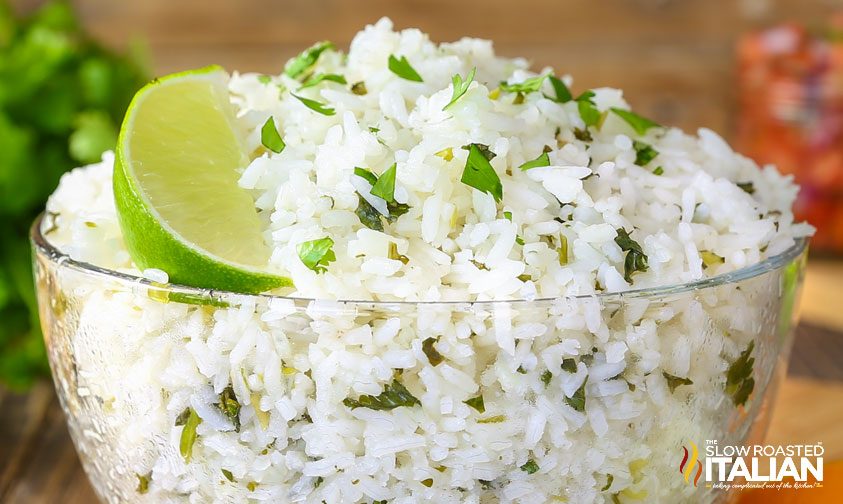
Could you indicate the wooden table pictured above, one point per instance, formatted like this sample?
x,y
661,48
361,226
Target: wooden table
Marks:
x,y
39,465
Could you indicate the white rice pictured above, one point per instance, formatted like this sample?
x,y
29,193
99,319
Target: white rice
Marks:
x,y
291,363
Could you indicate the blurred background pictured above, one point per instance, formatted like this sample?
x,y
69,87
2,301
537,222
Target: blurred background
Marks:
x,y
765,74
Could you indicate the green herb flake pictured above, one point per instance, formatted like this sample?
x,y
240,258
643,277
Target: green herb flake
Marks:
x,y
710,259
675,381
577,401
368,215
318,482
394,255
569,365
658,171
427,482
521,370
636,259
359,88
460,87
477,403
644,153
519,240
252,486
229,406
188,433
583,135
316,106
446,154
748,187
563,94
638,123
317,254
530,85
396,210
366,175
393,396
563,250
609,480
739,380
270,138
402,68
264,79
542,160
492,419
546,377
384,187
433,356
524,278
228,475
589,113
304,61
143,483
530,467
508,216
321,77
480,174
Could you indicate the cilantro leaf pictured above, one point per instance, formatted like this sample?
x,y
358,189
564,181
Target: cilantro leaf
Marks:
x,y
270,138
747,187
636,259
675,381
530,85
316,106
542,160
546,376
460,87
190,420
368,215
304,61
477,403
317,254
588,111
638,123
367,175
569,365
530,467
143,482
710,259
230,406
480,174
577,400
402,68
359,88
396,210
644,153
433,356
393,396
563,94
264,79
658,171
384,186
739,380
316,79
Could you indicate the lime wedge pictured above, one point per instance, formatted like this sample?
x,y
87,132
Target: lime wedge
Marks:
x,y
175,186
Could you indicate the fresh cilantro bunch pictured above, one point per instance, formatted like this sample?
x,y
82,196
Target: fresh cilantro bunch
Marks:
x,y
62,97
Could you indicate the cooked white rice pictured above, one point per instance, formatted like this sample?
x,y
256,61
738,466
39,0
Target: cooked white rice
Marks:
x,y
291,363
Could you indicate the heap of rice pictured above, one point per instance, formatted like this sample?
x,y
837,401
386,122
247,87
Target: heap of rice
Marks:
x,y
580,398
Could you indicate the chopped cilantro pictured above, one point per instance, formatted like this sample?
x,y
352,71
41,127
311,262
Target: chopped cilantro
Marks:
x,y
316,79
563,94
710,259
228,475
427,482
359,88
304,61
460,87
635,260
644,153
402,68
316,106
393,396
638,123
394,255
433,356
530,85
609,480
542,160
658,171
143,483
368,215
229,406
366,174
317,254
477,403
519,240
577,401
747,187
507,216
264,79
479,174
546,377
583,135
190,420
530,467
589,113
563,250
270,138
675,381
384,187
492,419
569,365
739,380
446,154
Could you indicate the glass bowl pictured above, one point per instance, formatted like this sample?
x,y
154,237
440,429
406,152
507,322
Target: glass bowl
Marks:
x,y
179,394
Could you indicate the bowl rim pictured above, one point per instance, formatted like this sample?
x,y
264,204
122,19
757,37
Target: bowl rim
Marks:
x,y
42,246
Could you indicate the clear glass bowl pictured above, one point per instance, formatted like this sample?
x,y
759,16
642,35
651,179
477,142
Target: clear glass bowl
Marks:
x,y
589,399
